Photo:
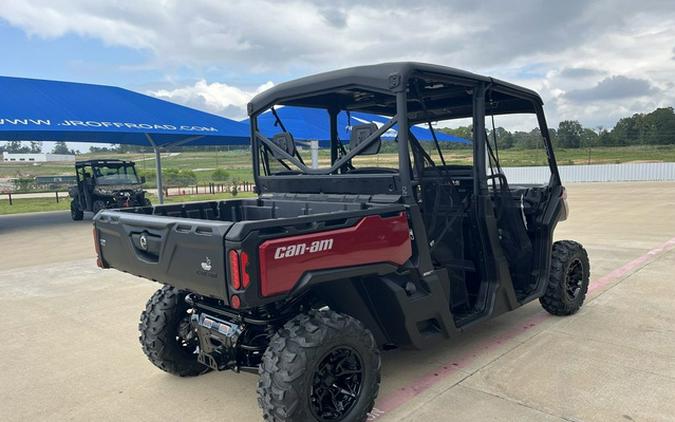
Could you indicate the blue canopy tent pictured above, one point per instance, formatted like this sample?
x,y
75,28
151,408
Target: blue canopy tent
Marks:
x,y
313,124
40,110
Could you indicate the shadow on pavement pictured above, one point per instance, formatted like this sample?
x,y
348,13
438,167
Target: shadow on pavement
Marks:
x,y
31,221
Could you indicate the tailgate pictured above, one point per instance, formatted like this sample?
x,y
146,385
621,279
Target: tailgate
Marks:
x,y
185,253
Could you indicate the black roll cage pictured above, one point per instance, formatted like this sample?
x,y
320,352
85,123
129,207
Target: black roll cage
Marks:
x,y
81,165
479,89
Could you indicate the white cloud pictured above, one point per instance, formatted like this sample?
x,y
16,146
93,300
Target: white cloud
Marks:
x,y
534,43
215,97
613,88
51,19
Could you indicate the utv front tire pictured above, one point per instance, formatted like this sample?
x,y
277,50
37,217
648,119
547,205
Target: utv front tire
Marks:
x,y
76,212
165,334
319,366
568,280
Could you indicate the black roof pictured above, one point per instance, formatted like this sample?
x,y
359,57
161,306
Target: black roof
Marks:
x,y
345,89
102,162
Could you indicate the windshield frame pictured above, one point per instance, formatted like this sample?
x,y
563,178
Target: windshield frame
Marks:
x,y
100,180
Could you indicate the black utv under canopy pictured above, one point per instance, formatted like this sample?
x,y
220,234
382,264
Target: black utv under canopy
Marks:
x,y
435,92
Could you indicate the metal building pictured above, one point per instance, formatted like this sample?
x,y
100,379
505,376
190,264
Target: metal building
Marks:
x,y
36,157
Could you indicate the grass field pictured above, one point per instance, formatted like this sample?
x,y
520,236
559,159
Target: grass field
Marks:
x,y
238,162
25,205
32,205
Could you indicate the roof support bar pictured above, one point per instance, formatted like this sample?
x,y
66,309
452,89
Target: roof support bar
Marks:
x,y
403,140
158,169
479,147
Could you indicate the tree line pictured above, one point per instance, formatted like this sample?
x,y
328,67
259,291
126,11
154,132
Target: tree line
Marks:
x,y
655,128
34,147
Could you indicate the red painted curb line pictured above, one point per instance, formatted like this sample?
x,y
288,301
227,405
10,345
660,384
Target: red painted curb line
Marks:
x,y
631,266
403,395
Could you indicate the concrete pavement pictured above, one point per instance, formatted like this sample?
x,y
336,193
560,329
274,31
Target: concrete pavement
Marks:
x,y
70,350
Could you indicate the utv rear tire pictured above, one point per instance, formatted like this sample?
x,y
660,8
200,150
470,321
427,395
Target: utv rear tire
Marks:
x,y
320,354
163,334
568,280
75,212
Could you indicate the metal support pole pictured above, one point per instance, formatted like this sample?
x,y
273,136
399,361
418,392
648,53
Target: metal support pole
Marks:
x,y
333,114
314,148
158,175
158,169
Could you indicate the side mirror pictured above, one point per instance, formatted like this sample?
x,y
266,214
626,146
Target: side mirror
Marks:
x,y
285,141
360,133
142,179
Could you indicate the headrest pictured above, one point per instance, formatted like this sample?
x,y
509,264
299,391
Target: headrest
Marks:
x,y
285,141
362,132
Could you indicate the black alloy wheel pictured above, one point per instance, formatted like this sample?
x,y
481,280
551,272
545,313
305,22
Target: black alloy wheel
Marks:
x,y
574,279
336,384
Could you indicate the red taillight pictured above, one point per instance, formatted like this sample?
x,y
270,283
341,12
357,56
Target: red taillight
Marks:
x,y
245,277
235,302
235,274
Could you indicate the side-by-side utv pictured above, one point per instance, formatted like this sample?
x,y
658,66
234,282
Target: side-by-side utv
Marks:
x,y
384,245
103,184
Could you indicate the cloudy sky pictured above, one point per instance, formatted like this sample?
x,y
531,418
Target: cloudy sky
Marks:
x,y
594,61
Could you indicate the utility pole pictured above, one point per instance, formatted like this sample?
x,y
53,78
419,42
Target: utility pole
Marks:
x,y
590,143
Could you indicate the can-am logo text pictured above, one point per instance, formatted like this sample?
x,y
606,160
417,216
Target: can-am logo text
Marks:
x,y
303,248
